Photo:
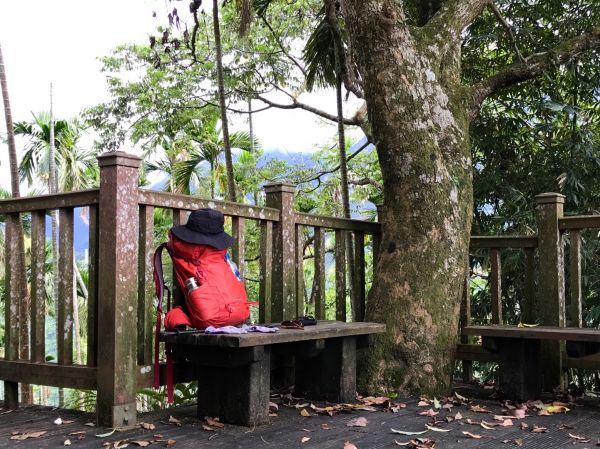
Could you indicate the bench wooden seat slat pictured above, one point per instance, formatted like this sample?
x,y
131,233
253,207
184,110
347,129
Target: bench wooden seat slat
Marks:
x,y
234,370
537,333
324,329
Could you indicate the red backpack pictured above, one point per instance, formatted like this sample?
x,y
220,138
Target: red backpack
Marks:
x,y
219,300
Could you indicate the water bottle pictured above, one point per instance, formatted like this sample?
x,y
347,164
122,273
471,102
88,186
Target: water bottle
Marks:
x,y
233,266
191,284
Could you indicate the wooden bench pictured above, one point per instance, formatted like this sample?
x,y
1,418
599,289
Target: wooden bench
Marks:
x,y
234,369
519,351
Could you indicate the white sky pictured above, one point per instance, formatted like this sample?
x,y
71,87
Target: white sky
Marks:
x,y
60,41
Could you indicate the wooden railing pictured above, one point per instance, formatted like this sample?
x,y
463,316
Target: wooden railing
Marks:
x,y
543,296
121,308
25,362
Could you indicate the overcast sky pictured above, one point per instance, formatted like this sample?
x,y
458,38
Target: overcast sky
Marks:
x,y
60,41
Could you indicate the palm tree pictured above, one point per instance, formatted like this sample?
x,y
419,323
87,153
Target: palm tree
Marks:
x,y
24,304
324,69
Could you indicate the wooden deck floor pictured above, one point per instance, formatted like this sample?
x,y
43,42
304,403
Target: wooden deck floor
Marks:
x,y
288,429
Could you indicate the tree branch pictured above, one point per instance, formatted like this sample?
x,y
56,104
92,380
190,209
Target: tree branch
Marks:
x,y
350,82
299,105
509,30
453,17
533,66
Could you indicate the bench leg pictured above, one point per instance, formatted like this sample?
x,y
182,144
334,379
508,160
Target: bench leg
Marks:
x,y
331,374
236,395
11,395
520,368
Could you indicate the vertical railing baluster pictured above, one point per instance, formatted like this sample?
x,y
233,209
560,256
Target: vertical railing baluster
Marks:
x,y
146,307
64,334
496,286
319,283
92,306
340,275
300,288
13,289
465,320
359,274
179,218
266,271
575,309
38,286
239,247
529,281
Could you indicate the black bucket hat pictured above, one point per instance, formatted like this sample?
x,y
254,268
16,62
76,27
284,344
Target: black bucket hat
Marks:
x,y
205,227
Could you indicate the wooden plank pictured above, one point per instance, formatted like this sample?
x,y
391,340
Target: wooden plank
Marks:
x,y
323,329
579,222
516,241
474,353
38,286
54,201
266,271
319,281
340,275
529,287
321,221
359,274
64,334
189,203
238,252
179,218
50,374
92,306
539,332
300,287
575,308
496,286
146,308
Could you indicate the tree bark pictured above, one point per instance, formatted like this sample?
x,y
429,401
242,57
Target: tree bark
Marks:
x,y
420,124
223,108
23,293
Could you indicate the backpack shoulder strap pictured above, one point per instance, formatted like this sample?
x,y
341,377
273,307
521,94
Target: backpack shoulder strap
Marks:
x,y
159,285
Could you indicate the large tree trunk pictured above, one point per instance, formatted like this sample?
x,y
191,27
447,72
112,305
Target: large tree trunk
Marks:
x,y
420,125
221,88
21,290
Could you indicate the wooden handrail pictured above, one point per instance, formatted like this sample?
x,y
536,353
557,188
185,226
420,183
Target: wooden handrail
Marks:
x,y
45,202
322,221
176,201
579,222
508,241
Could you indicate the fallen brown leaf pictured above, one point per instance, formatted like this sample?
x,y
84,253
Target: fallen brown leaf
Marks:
x,y
478,409
429,412
349,445
325,426
147,426
214,422
458,416
171,442
577,437
358,422
519,441
173,420
141,443
67,443
207,428
519,413
423,404
304,413
524,426
539,429
26,435
305,439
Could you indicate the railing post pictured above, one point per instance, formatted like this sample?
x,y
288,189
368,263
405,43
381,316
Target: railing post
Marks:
x,y
550,307
283,307
117,289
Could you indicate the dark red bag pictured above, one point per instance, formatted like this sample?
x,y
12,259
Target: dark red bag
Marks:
x,y
220,300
